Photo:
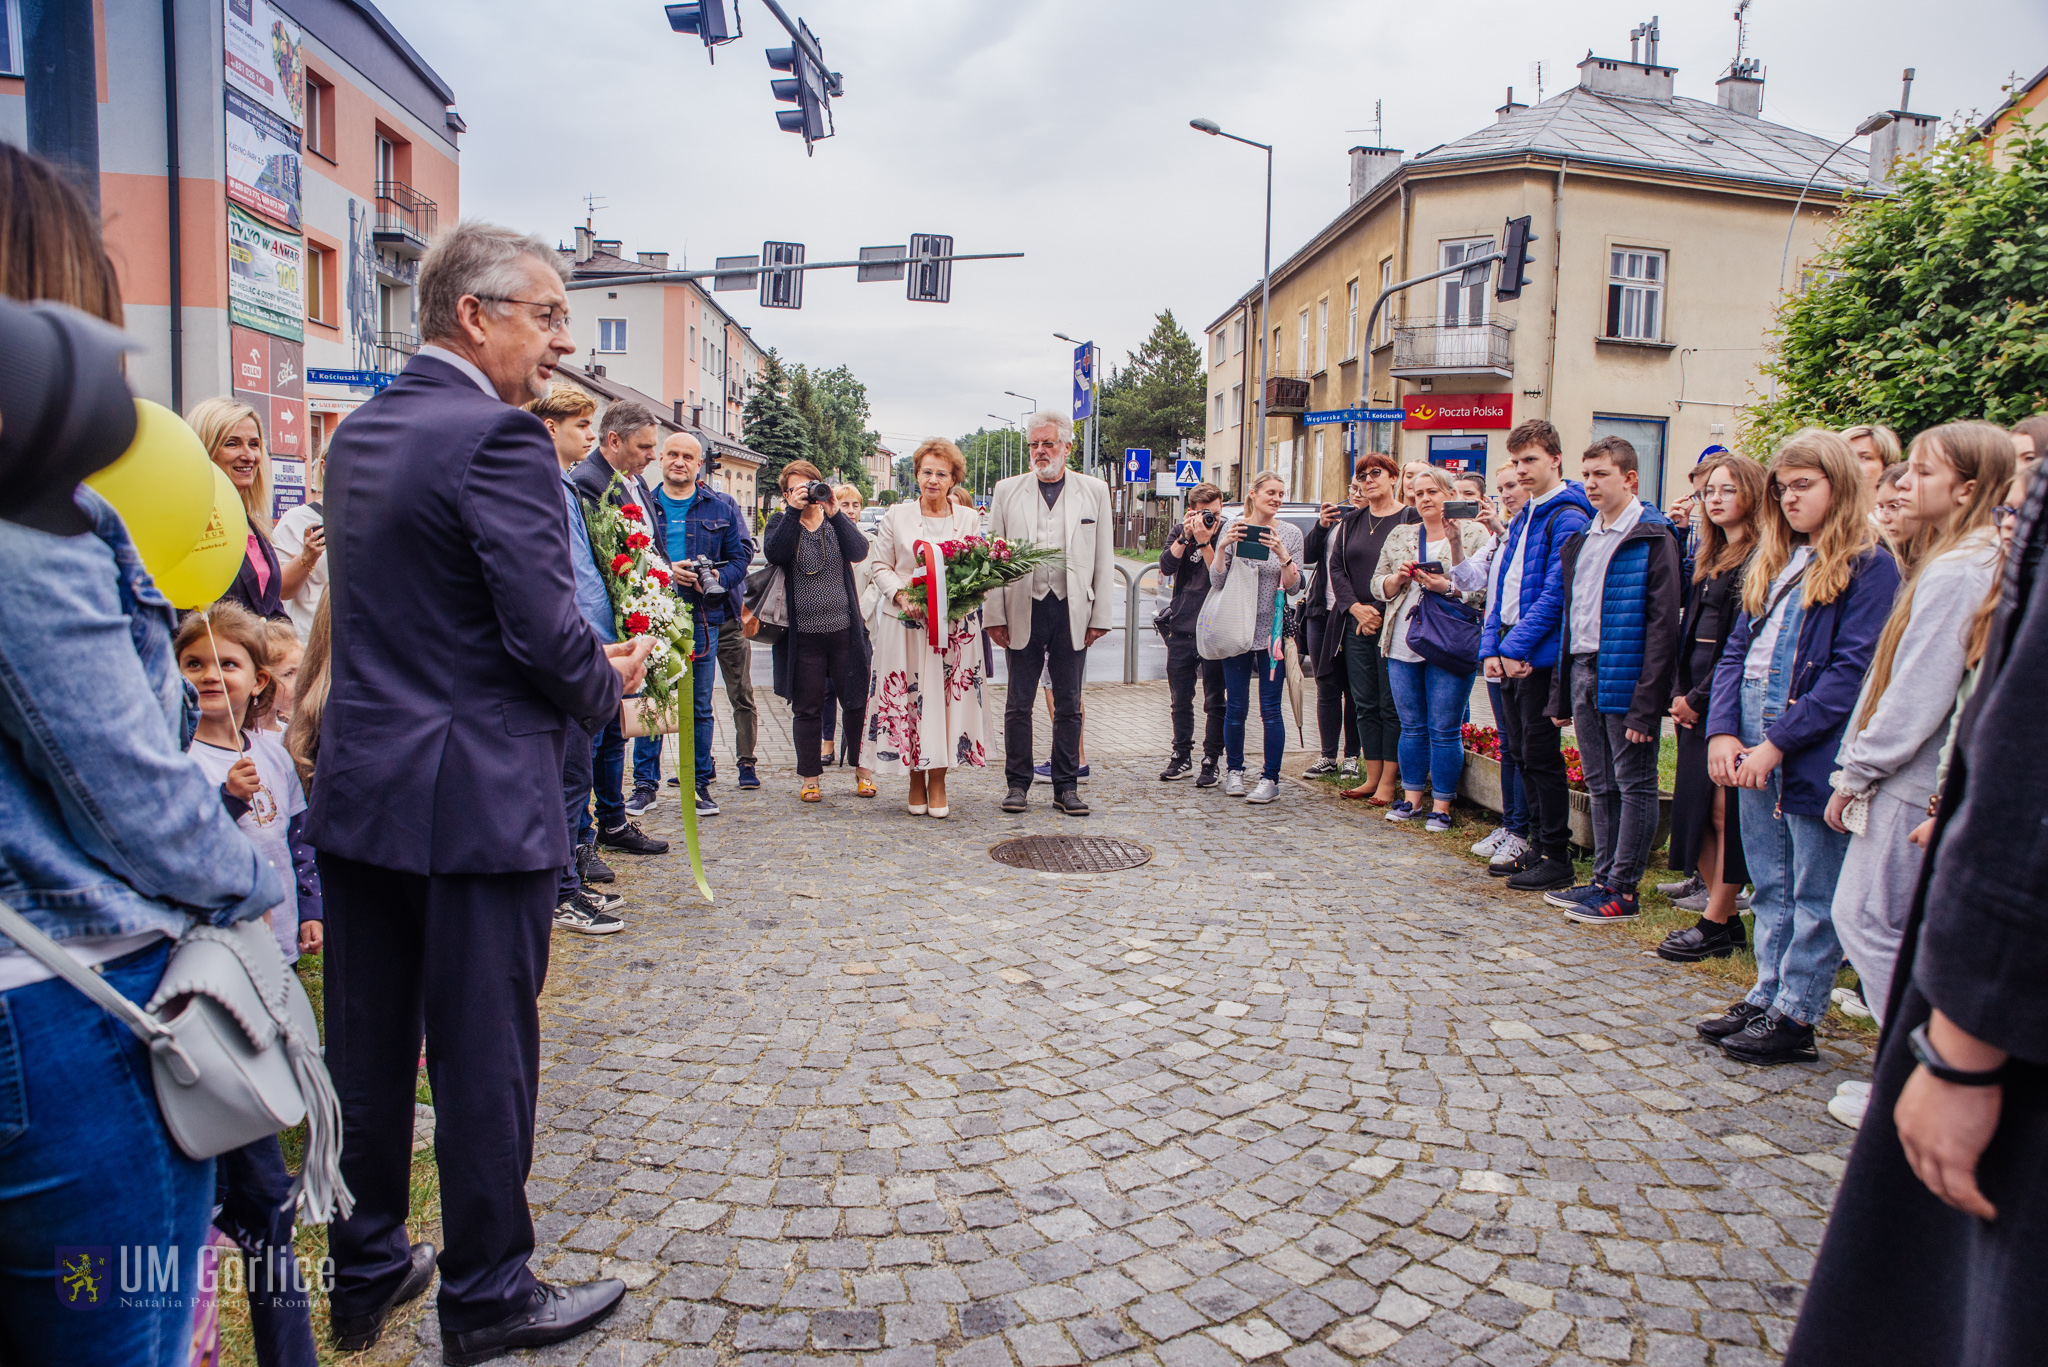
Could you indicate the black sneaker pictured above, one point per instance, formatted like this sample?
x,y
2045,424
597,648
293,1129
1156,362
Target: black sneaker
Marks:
x,y
1208,778
748,778
706,804
1179,767
1322,767
1703,940
580,915
1771,1039
1071,802
1729,1022
645,795
1508,868
604,901
1017,799
1543,875
628,838
1567,898
591,869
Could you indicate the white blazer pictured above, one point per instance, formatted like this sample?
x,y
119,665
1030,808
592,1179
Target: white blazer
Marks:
x,y
1087,538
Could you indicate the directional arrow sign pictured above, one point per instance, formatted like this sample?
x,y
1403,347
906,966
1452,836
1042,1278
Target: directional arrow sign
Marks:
x,y
1137,464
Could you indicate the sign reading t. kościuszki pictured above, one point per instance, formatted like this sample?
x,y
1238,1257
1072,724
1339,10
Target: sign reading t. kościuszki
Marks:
x,y
1426,411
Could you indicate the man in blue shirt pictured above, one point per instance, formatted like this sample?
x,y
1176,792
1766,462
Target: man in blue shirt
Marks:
x,y
691,520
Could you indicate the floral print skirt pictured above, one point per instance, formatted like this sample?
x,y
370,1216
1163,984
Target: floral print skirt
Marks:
x,y
925,706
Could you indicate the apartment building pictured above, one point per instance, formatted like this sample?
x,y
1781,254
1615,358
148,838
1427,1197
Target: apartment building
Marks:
x,y
1661,221
315,150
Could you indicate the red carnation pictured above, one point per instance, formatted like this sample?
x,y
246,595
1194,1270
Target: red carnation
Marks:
x,y
636,622
621,563
631,512
658,576
639,541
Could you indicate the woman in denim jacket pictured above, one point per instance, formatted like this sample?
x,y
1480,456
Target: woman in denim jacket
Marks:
x,y
112,842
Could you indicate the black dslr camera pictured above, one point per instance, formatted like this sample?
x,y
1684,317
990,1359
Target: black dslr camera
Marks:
x,y
820,493
706,570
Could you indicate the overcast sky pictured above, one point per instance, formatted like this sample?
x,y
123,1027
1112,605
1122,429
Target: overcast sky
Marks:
x,y
1058,128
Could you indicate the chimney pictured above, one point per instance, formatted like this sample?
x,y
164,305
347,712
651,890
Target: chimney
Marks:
x,y
584,240
610,246
1907,136
658,260
1508,110
680,419
1640,77
1370,166
1741,91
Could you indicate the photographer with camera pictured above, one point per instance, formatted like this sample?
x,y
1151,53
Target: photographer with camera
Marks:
x,y
1183,565
817,547
699,534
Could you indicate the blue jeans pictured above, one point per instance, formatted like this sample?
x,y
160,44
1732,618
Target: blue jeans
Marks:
x,y
1514,814
1237,677
1430,701
1794,861
647,749
254,1193
88,1171
607,773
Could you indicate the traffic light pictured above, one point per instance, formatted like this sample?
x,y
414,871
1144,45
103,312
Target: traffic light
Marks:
x,y
1514,259
707,19
809,87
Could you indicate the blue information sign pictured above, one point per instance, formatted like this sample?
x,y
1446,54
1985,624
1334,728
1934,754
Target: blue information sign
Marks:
x,y
1187,473
355,379
1084,380
1328,415
1137,464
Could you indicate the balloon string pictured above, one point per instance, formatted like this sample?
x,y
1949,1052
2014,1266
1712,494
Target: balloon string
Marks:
x,y
206,619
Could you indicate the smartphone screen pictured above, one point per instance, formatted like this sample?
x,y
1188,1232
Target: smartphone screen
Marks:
x,y
1253,547
1461,508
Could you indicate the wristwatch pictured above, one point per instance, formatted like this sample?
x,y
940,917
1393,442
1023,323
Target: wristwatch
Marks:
x,y
1923,1050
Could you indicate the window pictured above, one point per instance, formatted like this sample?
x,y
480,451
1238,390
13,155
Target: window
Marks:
x,y
611,334
1216,409
1322,334
1465,304
1216,345
387,159
319,117
1386,328
1236,404
1635,295
320,280
1647,436
1351,325
11,63
1237,335
1301,343
693,342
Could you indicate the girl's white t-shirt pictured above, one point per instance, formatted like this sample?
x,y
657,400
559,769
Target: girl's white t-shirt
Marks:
x,y
278,799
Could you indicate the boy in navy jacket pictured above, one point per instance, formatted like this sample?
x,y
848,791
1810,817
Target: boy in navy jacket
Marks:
x,y
1518,645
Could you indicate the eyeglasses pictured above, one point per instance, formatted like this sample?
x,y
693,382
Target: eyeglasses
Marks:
x,y
1797,486
1044,445
556,318
2003,514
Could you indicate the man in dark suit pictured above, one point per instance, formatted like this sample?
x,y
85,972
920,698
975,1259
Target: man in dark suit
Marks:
x,y
458,653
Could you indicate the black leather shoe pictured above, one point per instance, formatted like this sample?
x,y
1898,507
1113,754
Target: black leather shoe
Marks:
x,y
1732,1021
1017,800
1704,940
354,1333
1772,1039
591,869
628,838
555,1313
1070,802
1545,875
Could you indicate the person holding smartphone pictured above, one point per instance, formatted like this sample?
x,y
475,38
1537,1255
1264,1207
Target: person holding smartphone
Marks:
x,y
1257,544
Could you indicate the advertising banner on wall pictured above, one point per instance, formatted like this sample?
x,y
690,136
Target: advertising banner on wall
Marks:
x,y
270,376
263,160
265,60
1426,411
266,277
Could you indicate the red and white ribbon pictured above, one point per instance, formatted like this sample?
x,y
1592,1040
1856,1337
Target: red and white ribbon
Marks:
x,y
934,576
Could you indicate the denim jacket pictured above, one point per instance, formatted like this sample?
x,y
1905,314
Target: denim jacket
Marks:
x,y
106,828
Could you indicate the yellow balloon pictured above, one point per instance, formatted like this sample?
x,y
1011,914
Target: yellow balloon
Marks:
x,y
160,486
210,565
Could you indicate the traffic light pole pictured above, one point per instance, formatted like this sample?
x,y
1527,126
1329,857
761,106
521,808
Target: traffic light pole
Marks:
x,y
1372,319
678,277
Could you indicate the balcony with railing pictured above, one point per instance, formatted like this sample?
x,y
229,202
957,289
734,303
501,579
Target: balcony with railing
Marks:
x,y
405,218
1286,391
399,270
394,349
1448,346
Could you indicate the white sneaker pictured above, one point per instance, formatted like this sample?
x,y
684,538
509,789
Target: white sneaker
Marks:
x,y
1233,786
1848,1106
1851,1004
1853,1089
1511,848
1487,846
1265,790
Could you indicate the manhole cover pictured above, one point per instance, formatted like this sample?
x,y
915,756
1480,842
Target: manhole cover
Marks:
x,y
1070,854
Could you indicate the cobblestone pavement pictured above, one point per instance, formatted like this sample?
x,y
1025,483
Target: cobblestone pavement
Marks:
x,y
1300,1090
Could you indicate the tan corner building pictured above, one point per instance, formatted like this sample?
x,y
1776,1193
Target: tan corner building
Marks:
x,y
1661,222
2025,102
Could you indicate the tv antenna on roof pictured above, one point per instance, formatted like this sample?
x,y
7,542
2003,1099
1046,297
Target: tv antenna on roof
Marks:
x,y
1377,130
590,208
1741,28
1536,70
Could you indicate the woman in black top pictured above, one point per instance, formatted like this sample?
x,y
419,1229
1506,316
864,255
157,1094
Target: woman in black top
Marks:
x,y
1706,840
1322,636
1358,612
817,547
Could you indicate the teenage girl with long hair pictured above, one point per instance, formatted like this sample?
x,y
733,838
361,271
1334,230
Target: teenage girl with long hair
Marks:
x,y
1814,602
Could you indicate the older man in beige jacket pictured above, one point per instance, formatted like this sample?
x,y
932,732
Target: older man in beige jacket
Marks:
x,y
1047,621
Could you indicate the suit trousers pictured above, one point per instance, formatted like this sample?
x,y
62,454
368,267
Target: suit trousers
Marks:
x,y
461,959
1048,650
736,663
1539,749
1184,665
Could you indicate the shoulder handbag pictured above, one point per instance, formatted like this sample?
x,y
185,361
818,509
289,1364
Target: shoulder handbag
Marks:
x,y
767,602
1444,629
233,1048
1229,621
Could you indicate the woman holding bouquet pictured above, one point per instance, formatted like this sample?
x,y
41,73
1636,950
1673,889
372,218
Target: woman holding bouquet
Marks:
x,y
817,547
924,706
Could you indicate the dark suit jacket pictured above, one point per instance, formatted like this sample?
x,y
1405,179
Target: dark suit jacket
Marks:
x,y
458,649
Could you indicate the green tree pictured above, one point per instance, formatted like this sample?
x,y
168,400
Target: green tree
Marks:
x,y
1928,306
834,407
1156,400
771,424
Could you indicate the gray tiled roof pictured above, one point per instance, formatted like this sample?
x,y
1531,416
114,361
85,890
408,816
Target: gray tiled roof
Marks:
x,y
1681,134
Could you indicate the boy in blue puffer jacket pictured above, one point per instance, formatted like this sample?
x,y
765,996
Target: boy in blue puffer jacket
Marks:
x,y
1614,672
1518,645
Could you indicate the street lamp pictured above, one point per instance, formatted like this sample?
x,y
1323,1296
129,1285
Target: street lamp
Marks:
x,y
1210,127
1030,406
1011,424
1868,126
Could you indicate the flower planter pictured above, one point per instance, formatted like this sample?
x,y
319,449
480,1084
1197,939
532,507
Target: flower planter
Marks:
x,y
1480,785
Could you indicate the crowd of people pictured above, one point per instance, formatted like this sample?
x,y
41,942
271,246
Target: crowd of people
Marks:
x,y
398,739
